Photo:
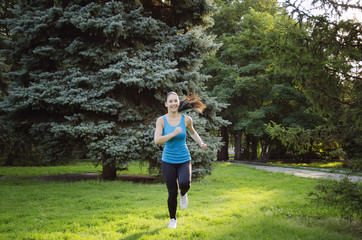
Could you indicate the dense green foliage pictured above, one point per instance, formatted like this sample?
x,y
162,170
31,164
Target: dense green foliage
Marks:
x,y
91,76
5,12
344,195
293,85
235,202
244,77
324,58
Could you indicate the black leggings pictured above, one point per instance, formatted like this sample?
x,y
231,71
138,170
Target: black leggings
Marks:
x,y
176,175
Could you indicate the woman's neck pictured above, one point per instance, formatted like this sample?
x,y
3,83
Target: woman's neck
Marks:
x,y
173,114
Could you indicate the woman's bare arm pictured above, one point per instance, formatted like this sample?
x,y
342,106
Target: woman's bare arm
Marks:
x,y
194,134
158,138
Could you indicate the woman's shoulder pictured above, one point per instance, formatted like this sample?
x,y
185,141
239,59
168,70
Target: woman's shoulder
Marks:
x,y
187,116
160,119
188,119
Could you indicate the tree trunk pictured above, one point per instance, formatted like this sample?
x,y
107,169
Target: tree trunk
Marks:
x,y
254,146
223,153
246,153
265,149
10,159
279,153
109,171
237,145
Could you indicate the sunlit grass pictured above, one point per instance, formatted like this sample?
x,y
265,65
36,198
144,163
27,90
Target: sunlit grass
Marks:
x,y
78,167
320,164
235,202
312,164
75,168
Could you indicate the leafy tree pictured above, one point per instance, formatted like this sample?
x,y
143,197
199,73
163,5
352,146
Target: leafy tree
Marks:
x,y
244,77
325,61
92,75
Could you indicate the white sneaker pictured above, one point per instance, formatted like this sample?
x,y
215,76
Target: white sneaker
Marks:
x,y
184,202
173,223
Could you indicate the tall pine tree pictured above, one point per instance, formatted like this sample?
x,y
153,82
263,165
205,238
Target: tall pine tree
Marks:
x,y
92,75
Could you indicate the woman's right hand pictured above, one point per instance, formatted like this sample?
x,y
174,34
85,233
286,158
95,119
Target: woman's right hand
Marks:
x,y
177,131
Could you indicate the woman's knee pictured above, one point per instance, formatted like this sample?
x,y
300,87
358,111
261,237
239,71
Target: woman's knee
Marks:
x,y
185,185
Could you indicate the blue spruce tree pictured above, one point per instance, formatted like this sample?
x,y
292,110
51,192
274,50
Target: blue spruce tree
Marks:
x,y
92,76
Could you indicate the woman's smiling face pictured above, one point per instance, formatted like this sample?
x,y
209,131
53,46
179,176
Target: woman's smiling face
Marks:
x,y
172,102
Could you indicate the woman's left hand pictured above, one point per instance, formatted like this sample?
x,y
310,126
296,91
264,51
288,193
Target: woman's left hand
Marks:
x,y
203,146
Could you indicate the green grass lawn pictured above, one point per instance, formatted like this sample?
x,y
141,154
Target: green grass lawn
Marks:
x,y
317,165
235,202
77,167
333,167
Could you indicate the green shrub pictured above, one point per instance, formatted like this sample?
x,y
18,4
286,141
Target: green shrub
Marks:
x,y
343,195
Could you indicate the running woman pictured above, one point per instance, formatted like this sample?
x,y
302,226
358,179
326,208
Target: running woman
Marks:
x,y
176,158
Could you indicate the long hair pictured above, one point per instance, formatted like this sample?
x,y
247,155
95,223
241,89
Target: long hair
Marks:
x,y
192,101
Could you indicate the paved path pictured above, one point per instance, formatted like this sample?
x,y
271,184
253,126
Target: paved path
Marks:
x,y
300,172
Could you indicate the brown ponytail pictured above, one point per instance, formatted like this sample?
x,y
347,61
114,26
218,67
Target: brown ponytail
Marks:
x,y
192,101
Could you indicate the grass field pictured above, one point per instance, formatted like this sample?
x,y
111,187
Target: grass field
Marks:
x,y
330,165
235,202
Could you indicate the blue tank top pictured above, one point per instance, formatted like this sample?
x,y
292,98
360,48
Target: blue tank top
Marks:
x,y
175,150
